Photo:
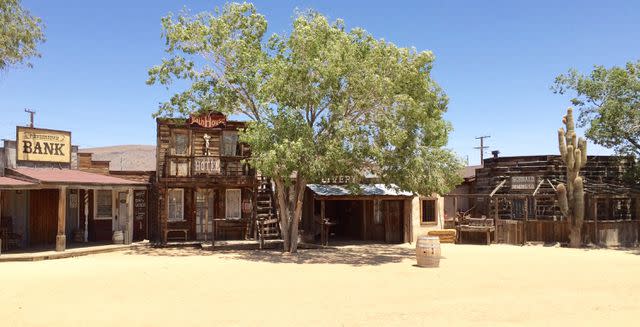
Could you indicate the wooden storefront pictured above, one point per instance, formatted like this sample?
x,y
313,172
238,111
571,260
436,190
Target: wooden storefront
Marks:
x,y
519,194
47,201
378,214
205,189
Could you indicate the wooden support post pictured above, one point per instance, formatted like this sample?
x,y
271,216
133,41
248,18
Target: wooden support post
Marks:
x,y
61,238
594,207
86,215
1,217
323,233
364,220
496,218
129,229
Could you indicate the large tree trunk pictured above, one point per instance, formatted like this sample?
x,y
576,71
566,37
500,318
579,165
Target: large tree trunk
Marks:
x,y
575,236
289,201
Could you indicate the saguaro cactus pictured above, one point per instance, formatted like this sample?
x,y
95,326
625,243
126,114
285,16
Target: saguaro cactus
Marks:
x,y
571,196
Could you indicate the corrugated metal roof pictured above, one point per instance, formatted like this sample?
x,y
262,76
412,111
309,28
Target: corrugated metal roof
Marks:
x,y
365,189
69,176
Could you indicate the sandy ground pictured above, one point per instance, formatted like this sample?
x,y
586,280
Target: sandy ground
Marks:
x,y
366,285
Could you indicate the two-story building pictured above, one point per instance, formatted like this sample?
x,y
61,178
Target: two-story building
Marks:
x,y
205,189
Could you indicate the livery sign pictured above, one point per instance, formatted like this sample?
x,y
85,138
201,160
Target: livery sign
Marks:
x,y
43,145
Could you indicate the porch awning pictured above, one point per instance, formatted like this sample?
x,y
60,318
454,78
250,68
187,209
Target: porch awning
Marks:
x,y
12,183
365,190
71,177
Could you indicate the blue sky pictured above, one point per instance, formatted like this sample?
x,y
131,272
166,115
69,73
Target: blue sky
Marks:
x,y
495,59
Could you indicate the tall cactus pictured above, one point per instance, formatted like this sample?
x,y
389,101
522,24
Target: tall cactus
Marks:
x,y
571,196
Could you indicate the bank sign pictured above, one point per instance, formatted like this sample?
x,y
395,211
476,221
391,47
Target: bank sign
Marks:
x,y
43,145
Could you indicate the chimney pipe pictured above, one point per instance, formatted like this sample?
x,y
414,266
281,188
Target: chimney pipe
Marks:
x,y
495,153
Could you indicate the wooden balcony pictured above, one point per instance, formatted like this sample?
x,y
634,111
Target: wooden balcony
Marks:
x,y
179,167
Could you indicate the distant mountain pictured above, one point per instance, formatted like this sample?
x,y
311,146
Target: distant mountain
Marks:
x,y
126,157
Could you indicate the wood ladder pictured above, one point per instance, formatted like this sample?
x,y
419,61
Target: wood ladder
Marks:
x,y
266,217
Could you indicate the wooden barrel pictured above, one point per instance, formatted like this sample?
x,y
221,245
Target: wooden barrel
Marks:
x,y
118,237
428,251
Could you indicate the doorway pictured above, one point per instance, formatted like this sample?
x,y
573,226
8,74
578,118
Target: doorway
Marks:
x,y
123,214
204,214
43,217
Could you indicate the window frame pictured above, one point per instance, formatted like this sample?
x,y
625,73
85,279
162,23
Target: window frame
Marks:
x,y
169,218
174,139
96,215
435,212
230,134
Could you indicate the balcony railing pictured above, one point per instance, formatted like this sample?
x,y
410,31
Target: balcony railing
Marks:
x,y
215,166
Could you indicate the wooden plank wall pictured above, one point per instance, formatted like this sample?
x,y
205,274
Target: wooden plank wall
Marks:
x,y
609,233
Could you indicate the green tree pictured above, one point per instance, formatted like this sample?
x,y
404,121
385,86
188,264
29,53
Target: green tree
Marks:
x,y
321,101
609,104
20,33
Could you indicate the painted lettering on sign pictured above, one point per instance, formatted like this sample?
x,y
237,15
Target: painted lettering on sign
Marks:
x,y
523,182
207,165
43,145
339,180
209,120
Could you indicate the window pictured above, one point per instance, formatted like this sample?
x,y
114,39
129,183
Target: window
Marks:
x,y
180,143
232,204
230,142
517,209
176,204
104,204
428,211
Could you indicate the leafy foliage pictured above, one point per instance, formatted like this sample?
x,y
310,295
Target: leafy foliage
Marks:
x,y
609,103
20,33
322,101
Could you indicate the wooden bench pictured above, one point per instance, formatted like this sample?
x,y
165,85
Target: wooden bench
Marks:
x,y
181,230
476,225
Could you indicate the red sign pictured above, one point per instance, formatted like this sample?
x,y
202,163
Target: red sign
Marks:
x,y
208,120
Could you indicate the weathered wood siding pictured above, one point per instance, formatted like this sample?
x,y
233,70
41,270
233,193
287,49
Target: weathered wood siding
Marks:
x,y
607,233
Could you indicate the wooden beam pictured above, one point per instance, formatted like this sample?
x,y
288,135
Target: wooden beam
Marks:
x,y
61,238
497,188
538,188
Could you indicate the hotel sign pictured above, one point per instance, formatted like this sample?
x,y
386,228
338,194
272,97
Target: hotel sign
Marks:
x,y
206,165
43,145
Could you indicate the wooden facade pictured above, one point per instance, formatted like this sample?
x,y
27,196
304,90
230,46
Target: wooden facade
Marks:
x,y
378,214
205,189
43,204
519,194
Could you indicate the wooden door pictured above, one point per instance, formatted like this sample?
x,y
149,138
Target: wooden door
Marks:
x,y
43,217
374,225
204,214
392,211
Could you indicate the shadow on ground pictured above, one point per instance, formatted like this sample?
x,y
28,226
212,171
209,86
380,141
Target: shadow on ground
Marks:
x,y
354,255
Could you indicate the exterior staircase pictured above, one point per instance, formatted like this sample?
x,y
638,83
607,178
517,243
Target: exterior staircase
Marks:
x,y
266,217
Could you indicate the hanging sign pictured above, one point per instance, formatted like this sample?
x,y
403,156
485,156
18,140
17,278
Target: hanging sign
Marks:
x,y
43,145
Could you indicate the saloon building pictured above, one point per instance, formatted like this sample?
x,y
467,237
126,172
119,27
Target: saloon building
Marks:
x,y
205,189
49,199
